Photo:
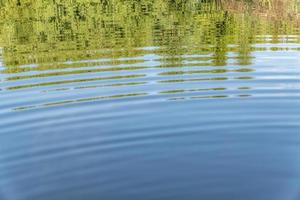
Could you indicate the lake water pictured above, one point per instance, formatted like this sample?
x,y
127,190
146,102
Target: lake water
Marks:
x,y
148,100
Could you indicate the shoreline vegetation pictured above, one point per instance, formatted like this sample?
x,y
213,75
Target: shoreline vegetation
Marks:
x,y
56,31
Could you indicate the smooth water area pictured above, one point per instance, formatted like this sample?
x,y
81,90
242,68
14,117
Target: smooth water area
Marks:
x,y
151,100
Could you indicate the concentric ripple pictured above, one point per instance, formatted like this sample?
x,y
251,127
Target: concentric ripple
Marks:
x,y
152,100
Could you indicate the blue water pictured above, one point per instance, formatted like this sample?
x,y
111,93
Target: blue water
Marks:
x,y
153,122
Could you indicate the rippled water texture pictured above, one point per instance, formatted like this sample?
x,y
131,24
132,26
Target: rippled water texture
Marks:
x,y
148,100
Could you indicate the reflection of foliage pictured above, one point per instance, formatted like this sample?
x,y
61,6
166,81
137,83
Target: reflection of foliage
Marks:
x,y
49,31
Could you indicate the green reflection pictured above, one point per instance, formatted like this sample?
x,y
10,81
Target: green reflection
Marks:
x,y
92,44
52,31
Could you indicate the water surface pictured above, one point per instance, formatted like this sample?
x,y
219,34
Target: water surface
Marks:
x,y
148,100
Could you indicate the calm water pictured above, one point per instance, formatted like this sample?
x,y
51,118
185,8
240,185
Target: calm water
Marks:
x,y
152,100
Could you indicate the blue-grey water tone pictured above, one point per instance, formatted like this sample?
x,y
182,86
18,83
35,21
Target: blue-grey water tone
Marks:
x,y
148,100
